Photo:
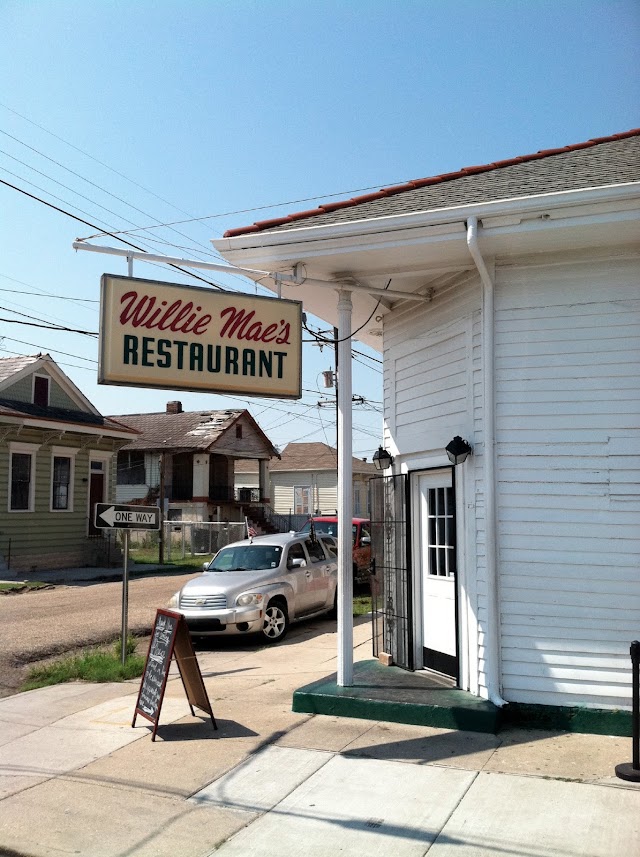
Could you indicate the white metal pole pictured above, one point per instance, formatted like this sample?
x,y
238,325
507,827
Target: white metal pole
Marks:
x,y
278,277
125,597
345,503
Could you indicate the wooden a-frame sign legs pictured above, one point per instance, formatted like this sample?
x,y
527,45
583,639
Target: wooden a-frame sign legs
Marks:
x,y
170,637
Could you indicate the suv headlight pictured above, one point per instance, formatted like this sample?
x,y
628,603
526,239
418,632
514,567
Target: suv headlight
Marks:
x,y
174,601
249,599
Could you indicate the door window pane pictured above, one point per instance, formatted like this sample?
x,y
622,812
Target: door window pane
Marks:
x,y
441,532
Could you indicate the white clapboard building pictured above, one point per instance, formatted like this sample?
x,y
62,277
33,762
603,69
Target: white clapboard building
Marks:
x,y
512,323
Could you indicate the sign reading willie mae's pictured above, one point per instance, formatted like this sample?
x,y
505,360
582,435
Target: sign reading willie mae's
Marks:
x,y
178,337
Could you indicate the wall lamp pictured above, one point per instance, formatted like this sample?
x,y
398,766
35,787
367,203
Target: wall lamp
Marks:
x,y
458,450
381,459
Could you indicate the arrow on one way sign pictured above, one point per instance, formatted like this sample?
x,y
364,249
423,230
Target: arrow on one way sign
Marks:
x,y
127,517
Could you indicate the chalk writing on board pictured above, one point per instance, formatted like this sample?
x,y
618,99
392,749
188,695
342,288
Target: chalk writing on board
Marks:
x,y
157,665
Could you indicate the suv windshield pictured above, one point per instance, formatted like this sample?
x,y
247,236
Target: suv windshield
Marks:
x,y
246,558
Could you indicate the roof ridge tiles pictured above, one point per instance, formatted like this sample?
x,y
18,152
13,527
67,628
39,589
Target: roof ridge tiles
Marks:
x,y
415,184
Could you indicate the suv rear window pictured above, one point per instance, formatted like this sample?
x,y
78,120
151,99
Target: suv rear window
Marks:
x,y
315,551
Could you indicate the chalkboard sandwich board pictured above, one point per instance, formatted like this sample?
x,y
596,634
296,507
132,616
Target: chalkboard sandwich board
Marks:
x,y
170,638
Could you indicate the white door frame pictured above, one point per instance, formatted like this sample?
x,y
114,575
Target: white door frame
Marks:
x,y
467,622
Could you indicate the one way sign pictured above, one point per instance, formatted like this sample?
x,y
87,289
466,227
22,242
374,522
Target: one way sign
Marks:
x,y
127,517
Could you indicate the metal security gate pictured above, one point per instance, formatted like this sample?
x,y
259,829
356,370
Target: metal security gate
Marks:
x,y
391,593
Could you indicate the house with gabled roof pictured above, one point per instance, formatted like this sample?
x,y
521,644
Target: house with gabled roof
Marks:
x,y
188,459
57,460
505,300
304,480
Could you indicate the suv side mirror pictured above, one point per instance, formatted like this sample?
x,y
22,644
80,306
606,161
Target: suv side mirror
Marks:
x,y
296,563
365,540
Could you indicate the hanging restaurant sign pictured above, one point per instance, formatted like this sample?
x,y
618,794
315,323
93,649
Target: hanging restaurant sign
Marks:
x,y
176,337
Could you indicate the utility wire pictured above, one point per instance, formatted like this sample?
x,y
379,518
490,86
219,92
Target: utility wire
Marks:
x,y
122,240
208,249
47,326
49,295
48,350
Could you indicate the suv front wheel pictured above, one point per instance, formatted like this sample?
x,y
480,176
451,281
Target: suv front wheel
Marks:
x,y
276,622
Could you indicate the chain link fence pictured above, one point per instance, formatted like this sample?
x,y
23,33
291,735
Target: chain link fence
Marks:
x,y
184,539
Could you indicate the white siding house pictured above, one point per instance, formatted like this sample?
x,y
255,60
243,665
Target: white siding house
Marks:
x,y
512,321
305,480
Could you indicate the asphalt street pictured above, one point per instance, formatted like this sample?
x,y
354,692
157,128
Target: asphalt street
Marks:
x,y
38,624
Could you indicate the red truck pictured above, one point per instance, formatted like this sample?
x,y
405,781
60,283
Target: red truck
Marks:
x,y
361,539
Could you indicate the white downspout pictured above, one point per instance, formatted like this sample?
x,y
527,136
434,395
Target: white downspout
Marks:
x,y
489,467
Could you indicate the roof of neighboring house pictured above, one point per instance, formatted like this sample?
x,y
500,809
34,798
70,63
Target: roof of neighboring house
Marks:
x,y
11,408
307,456
594,163
14,369
12,365
186,430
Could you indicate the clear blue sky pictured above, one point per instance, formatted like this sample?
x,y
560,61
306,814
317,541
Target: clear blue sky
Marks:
x,y
215,109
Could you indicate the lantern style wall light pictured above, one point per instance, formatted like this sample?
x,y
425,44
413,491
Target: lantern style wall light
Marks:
x,y
381,459
458,450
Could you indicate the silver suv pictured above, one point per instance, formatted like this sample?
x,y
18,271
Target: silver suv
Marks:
x,y
260,585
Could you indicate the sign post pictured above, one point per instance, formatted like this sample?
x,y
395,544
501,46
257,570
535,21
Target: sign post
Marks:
x,y
121,517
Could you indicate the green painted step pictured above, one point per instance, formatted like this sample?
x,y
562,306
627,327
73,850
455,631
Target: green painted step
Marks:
x,y
397,696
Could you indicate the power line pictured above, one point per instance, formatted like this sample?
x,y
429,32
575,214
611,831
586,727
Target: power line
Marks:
x,y
208,249
48,350
87,223
49,295
61,363
46,326
87,155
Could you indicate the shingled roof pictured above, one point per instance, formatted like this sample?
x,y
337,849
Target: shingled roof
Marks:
x,y
184,430
307,456
11,365
594,163
12,408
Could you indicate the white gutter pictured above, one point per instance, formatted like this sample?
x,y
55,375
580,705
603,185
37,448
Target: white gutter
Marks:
x,y
492,631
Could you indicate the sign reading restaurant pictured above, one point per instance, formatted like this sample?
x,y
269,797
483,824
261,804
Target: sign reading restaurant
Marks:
x,y
176,337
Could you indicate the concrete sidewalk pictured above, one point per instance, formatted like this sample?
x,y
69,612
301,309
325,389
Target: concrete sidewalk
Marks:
x,y
76,778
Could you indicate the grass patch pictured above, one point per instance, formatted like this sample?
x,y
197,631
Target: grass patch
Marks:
x,y
361,605
23,586
97,665
149,556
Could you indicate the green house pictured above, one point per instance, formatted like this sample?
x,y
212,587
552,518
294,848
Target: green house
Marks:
x,y
57,460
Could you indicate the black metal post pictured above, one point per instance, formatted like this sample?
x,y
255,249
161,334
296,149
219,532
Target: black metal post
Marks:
x,y
631,770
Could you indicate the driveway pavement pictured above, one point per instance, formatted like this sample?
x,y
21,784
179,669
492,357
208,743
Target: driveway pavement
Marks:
x,y
76,778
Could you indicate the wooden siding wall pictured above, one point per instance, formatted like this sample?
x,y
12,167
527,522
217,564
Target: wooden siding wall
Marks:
x,y
568,442
432,392
325,490
44,539
426,370
251,442
22,391
568,450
